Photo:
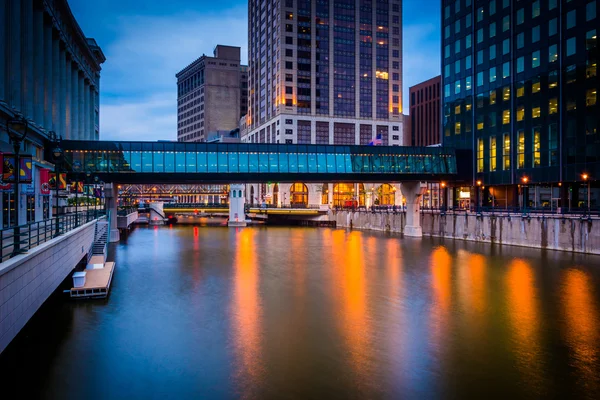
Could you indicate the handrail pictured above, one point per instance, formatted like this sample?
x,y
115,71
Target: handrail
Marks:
x,y
33,234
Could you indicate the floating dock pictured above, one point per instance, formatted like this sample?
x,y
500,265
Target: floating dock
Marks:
x,y
97,283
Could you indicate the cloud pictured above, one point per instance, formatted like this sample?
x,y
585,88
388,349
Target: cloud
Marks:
x,y
151,118
142,61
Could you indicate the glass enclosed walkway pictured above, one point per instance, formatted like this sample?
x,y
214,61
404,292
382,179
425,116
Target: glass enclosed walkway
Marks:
x,y
157,162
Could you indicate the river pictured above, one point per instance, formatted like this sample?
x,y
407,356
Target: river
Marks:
x,y
316,313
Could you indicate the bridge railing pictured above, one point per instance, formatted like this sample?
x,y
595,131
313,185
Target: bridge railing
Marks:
x,y
536,211
126,210
20,239
198,206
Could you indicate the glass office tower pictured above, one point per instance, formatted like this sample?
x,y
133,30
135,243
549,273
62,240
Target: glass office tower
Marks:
x,y
519,87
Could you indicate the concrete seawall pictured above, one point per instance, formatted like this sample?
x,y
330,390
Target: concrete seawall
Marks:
x,y
27,280
573,234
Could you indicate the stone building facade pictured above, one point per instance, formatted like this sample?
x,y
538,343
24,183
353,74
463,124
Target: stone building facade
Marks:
x,y
50,75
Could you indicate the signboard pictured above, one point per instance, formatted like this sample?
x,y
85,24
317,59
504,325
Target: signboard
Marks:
x,y
76,187
464,195
62,185
44,181
9,168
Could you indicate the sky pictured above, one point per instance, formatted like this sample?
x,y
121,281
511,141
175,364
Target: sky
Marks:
x,y
146,42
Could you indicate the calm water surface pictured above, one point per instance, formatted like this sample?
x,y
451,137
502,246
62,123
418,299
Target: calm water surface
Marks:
x,y
302,313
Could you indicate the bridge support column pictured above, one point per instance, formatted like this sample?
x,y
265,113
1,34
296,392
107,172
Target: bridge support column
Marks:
x,y
237,214
157,215
111,194
412,193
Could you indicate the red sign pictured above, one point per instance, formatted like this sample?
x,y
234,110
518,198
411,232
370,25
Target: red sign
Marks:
x,y
62,183
45,181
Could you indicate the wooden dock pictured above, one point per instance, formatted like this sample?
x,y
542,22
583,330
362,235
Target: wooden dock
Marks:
x,y
97,282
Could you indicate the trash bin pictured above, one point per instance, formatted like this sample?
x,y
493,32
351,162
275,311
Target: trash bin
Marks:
x,y
79,279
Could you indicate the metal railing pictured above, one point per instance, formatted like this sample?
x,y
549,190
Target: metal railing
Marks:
x,y
124,211
573,212
20,239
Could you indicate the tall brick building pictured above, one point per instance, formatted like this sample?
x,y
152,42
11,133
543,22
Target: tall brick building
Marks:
x,y
425,113
212,94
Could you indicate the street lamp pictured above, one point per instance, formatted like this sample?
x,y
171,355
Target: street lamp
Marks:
x,y
524,193
17,131
478,193
76,170
585,177
57,154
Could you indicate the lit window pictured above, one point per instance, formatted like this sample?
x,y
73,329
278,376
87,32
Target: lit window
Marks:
x,y
535,112
506,93
535,59
505,70
520,113
553,53
468,83
520,89
493,74
553,79
553,106
521,148
493,153
535,86
590,97
505,117
457,128
536,147
506,152
492,97
480,155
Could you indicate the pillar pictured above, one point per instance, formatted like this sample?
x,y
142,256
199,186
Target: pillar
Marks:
x,y
27,85
59,91
68,97
13,75
330,187
39,211
81,107
237,213
110,197
50,69
75,101
39,66
3,34
412,193
397,195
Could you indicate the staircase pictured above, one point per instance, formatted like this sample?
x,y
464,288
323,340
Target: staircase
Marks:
x,y
97,253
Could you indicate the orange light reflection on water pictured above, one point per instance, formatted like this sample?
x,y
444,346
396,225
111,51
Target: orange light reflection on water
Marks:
x,y
582,325
441,285
349,270
246,309
523,311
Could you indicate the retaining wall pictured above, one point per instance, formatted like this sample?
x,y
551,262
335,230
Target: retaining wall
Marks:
x,y
27,280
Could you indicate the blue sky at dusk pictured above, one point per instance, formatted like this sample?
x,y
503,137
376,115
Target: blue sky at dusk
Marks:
x,y
147,41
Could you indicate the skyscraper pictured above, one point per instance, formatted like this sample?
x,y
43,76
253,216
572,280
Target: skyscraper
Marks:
x,y
325,71
211,94
519,88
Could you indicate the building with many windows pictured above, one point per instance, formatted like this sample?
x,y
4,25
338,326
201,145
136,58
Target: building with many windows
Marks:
x,y
520,88
325,72
212,94
50,76
425,113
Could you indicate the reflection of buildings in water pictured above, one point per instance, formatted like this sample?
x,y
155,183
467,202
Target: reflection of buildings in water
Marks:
x,y
246,311
581,325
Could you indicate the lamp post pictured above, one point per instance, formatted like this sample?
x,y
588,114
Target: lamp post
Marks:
x,y
17,131
76,170
443,196
478,194
57,154
524,194
586,177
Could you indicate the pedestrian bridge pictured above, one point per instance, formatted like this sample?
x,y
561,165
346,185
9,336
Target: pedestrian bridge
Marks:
x,y
178,162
